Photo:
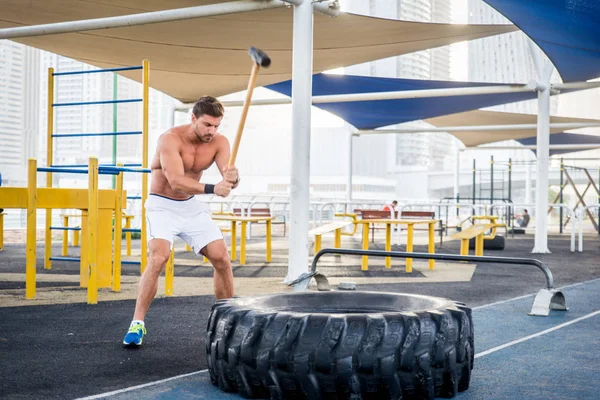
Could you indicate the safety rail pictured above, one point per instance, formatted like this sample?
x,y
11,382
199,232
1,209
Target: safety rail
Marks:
x,y
545,300
97,134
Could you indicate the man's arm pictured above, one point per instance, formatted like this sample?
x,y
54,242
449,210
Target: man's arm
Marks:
x,y
229,174
172,166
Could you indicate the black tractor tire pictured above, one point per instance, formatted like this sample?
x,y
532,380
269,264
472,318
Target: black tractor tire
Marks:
x,y
497,243
340,345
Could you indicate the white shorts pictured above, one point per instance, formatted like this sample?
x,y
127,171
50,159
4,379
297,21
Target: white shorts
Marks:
x,y
189,219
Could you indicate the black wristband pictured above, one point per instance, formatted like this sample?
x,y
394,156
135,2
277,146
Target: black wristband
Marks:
x,y
209,189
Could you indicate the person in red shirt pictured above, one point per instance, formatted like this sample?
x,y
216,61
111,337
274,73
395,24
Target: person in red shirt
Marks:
x,y
390,207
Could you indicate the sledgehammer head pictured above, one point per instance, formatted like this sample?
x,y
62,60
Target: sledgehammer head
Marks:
x,y
259,57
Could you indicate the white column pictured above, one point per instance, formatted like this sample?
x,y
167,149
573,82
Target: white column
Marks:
x,y
350,158
543,156
457,174
301,118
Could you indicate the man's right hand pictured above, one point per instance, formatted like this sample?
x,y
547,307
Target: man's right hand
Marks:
x,y
223,188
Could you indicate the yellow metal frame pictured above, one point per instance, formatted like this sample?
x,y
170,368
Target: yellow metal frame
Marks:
x,y
49,161
97,207
388,239
355,225
145,108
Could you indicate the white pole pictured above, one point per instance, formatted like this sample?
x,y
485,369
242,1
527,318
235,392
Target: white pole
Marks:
x,y
573,147
301,118
457,174
528,184
141,18
350,158
543,157
477,128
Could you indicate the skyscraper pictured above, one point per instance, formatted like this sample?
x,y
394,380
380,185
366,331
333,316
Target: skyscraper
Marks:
x,y
19,99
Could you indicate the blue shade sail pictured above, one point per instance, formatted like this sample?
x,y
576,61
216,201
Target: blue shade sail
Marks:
x,y
568,31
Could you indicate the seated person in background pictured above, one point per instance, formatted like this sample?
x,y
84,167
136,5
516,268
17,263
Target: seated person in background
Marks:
x,y
523,220
390,207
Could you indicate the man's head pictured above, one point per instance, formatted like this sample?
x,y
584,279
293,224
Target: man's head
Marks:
x,y
206,118
525,211
395,203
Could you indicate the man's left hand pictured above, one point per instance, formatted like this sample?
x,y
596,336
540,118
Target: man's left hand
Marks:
x,y
230,174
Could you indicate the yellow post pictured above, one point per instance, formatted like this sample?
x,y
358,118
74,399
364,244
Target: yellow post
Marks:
x,y
388,244
92,234
145,104
170,273
479,245
83,253
65,238
365,246
432,243
49,161
317,243
30,259
337,243
464,247
269,237
128,235
233,241
409,246
118,240
243,244
1,231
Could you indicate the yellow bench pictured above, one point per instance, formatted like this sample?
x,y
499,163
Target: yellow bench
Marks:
x,y
336,227
474,231
351,215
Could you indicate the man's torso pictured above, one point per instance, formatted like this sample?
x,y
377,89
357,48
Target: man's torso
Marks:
x,y
196,157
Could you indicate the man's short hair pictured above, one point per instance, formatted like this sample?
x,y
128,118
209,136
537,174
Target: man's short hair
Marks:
x,y
395,202
208,105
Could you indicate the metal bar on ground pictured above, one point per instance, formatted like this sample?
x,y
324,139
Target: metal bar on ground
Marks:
x,y
65,259
94,71
88,103
442,257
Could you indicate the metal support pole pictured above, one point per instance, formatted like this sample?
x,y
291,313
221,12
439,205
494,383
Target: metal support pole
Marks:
x,y
114,138
145,111
543,157
49,161
562,175
349,182
492,179
457,174
302,61
474,181
510,179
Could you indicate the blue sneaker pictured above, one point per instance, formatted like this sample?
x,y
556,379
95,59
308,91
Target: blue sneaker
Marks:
x,y
135,335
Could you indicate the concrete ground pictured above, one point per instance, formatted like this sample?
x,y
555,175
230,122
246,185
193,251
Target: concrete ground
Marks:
x,y
57,346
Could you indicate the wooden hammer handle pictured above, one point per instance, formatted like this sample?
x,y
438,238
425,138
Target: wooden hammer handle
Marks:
x,y
238,136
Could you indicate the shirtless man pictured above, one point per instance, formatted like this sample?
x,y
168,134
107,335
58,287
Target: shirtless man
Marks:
x,y
172,209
